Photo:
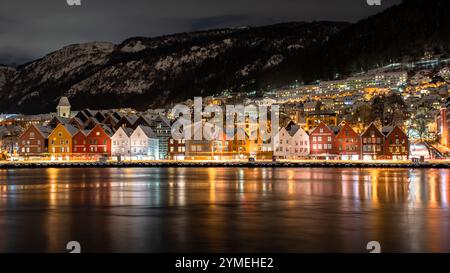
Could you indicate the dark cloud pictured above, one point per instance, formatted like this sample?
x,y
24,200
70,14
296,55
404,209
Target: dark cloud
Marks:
x,y
31,29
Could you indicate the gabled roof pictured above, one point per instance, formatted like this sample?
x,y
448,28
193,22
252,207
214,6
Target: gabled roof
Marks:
x,y
89,113
389,129
335,129
64,101
130,118
386,130
372,124
127,131
331,128
81,113
294,129
84,132
43,130
107,130
69,128
112,117
164,120
345,125
147,131
60,120
77,120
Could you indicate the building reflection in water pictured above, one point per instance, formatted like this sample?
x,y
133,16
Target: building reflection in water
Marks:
x,y
224,209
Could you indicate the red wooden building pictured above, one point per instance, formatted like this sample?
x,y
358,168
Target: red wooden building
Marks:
x,y
322,143
396,144
348,143
372,141
99,140
34,141
79,142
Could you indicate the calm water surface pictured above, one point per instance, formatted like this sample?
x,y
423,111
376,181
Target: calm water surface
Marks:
x,y
224,210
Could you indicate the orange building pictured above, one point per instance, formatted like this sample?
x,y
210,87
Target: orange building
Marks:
x,y
60,141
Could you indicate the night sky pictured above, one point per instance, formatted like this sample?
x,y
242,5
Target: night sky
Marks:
x,y
31,29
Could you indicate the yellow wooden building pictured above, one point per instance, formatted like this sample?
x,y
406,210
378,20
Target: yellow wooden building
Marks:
x,y
60,141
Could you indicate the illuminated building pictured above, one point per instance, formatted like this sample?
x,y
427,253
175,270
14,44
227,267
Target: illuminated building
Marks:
x,y
144,144
322,143
372,143
60,141
121,143
396,144
34,141
348,143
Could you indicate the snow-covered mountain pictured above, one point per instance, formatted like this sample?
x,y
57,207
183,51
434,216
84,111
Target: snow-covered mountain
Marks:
x,y
143,72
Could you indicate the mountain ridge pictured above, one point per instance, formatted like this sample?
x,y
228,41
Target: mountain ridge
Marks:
x,y
143,72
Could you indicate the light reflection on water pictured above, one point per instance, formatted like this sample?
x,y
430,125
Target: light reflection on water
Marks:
x,y
224,209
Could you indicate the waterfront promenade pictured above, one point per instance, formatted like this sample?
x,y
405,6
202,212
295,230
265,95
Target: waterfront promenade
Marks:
x,y
208,164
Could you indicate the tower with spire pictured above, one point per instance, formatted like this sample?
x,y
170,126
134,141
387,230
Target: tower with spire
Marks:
x,y
63,108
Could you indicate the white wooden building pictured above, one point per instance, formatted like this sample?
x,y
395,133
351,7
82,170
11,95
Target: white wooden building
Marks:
x,y
291,143
144,144
121,143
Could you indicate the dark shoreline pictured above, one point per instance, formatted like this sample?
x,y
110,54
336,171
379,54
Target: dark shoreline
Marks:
x,y
424,165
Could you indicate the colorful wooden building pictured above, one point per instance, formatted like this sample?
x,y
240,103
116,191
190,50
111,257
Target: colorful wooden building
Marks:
x,y
396,144
60,141
34,141
348,143
99,140
322,142
372,141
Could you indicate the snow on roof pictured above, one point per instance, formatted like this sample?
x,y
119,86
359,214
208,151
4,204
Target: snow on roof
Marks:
x,y
71,129
148,131
64,101
44,130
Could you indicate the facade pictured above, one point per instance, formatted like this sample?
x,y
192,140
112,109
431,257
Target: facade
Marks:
x,y
300,146
121,143
177,149
372,141
144,144
99,140
322,142
34,141
291,143
162,128
79,141
201,149
60,141
282,144
348,143
396,145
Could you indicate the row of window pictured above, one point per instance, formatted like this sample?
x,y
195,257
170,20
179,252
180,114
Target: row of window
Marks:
x,y
297,143
372,148
27,150
181,149
92,149
322,147
28,142
61,142
319,139
296,150
91,141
